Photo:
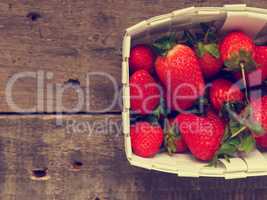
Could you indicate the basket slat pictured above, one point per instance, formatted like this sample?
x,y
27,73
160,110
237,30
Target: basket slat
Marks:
x,y
235,165
128,148
255,162
125,73
235,7
126,47
254,23
138,28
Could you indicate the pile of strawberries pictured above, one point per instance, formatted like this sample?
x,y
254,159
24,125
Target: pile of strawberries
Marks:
x,y
202,93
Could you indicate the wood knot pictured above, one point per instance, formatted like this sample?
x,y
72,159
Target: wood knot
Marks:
x,y
33,16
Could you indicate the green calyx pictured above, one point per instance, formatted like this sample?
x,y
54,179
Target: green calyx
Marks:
x,y
243,142
164,44
204,41
161,110
171,134
238,123
238,135
237,59
211,48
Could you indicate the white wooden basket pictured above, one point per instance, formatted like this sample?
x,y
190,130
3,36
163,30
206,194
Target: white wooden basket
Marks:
x,y
253,21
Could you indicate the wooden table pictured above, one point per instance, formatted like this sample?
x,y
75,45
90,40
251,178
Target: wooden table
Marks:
x,y
43,156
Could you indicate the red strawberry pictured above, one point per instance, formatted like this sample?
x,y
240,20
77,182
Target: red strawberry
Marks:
x,y
180,73
223,91
141,57
144,92
238,51
261,55
203,135
210,65
174,142
146,139
206,48
234,42
259,115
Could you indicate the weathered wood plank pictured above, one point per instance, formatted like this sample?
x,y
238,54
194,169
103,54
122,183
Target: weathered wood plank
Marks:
x,y
36,142
70,39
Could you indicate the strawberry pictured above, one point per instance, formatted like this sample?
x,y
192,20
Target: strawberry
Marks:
x,y
238,49
207,50
181,75
174,142
141,57
261,55
262,141
202,134
261,60
210,65
259,116
144,92
223,91
146,139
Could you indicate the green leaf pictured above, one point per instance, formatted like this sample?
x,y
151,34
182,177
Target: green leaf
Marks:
x,y
200,49
247,144
234,142
228,149
256,128
213,49
164,44
161,109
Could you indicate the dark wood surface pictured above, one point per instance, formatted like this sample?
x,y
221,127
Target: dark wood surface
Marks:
x,y
41,157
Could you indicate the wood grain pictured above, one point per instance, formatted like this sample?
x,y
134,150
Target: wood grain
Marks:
x,y
38,142
70,39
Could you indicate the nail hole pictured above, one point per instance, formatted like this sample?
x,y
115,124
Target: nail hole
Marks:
x,y
76,165
73,82
39,173
34,16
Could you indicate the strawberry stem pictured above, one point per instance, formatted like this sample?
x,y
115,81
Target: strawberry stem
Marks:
x,y
242,66
206,37
239,131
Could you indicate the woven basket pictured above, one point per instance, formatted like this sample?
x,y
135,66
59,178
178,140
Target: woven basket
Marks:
x,y
252,21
